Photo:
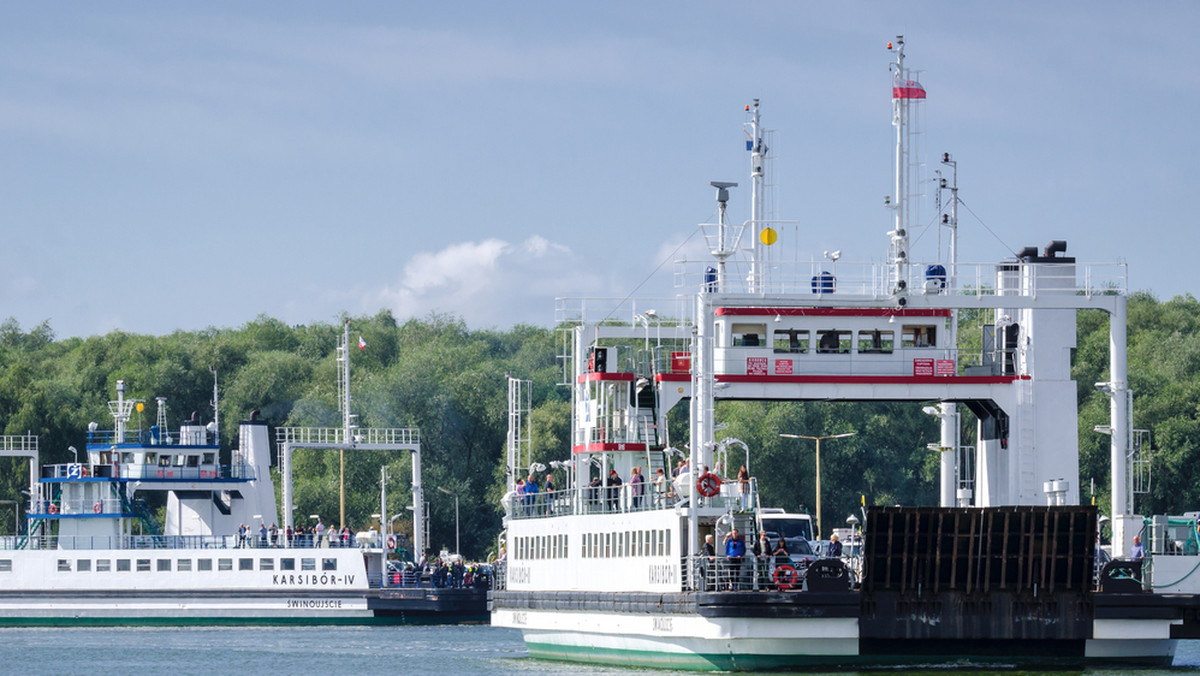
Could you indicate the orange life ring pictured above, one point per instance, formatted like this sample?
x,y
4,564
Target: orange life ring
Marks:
x,y
53,508
708,484
784,577
97,508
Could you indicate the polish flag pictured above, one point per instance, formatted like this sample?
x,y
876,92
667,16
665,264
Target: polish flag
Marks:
x,y
907,89
362,344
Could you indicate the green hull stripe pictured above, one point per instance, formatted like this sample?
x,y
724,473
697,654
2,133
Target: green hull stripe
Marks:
x,y
758,662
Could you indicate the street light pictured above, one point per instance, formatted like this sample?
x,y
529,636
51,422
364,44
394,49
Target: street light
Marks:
x,y
818,440
457,549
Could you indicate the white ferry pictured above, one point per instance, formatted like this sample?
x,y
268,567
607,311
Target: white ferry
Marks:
x,y
92,553
1003,572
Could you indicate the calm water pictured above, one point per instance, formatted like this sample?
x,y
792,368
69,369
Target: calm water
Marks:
x,y
322,651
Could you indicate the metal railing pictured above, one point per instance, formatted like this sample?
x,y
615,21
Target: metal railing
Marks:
x,y
136,542
299,436
628,498
236,472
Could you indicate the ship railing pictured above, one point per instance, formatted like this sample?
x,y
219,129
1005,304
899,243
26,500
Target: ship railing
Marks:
x,y
195,435
326,436
750,572
136,542
71,471
628,498
412,578
874,280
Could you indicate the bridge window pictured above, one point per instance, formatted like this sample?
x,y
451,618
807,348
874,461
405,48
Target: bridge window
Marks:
x,y
749,335
920,336
794,341
833,342
876,342
209,459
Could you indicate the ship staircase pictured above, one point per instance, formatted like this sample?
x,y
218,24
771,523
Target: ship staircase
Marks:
x,y
139,510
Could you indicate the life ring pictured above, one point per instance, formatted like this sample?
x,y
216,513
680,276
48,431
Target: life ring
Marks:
x,y
53,508
97,508
391,542
708,484
83,472
784,577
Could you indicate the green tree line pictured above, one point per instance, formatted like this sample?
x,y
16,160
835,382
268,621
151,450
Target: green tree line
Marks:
x,y
437,374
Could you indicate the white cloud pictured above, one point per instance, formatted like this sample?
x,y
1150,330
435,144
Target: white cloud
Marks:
x,y
490,282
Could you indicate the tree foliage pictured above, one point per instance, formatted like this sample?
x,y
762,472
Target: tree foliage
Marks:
x,y
437,374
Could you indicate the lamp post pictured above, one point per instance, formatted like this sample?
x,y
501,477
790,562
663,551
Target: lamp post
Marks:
x,y
457,549
818,440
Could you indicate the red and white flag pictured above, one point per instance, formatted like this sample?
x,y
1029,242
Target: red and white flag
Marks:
x,y
907,89
362,344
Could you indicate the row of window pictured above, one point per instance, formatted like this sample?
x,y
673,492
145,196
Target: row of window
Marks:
x,y
627,544
180,565
595,545
834,341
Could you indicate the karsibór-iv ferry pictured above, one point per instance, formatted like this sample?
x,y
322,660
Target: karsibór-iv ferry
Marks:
x,y
1002,572
91,553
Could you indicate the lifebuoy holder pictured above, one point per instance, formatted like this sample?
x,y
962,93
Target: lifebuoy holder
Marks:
x,y
391,542
97,508
708,484
784,577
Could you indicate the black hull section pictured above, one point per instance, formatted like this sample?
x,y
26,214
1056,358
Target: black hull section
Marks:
x,y
430,606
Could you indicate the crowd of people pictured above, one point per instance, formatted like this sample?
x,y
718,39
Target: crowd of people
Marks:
x,y
313,536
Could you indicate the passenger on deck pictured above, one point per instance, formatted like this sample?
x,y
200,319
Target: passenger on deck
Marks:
x,y
660,487
708,559
835,548
735,549
1138,552
531,495
262,534
762,558
594,492
548,489
637,484
614,489
743,478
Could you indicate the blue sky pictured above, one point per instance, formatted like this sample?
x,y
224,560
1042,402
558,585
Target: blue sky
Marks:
x,y
173,166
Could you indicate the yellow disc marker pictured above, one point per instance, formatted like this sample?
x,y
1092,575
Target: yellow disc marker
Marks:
x,y
140,407
768,236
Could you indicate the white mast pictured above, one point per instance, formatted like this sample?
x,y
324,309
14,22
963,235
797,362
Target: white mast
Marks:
x,y
758,157
904,92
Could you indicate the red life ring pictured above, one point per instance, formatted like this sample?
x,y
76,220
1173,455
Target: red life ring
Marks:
x,y
53,508
391,542
708,484
97,508
785,577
